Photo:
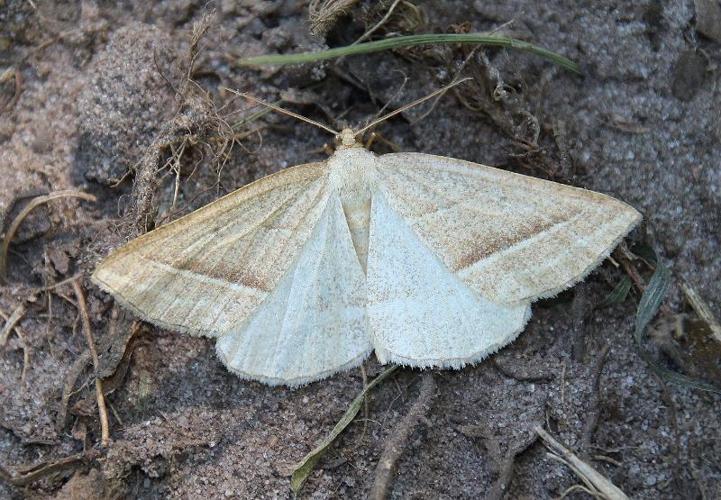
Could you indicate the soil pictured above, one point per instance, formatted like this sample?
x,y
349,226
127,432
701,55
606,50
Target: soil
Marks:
x,y
118,101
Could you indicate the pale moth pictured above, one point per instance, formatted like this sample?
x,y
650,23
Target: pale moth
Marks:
x,y
428,261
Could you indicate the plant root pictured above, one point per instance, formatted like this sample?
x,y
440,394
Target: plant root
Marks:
x,y
399,438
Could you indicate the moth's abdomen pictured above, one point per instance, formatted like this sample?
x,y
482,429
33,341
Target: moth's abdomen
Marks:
x,y
357,210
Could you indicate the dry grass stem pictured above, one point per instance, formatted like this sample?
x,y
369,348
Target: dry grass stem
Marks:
x,y
102,409
703,310
11,322
520,375
594,480
78,366
28,475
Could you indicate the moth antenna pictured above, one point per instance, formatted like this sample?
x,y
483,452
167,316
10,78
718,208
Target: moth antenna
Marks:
x,y
284,111
412,104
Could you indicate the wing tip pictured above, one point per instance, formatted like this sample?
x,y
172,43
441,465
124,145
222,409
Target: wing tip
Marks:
x,y
633,219
104,285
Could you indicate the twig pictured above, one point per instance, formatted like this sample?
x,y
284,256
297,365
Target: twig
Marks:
x,y
579,313
559,136
34,473
608,460
500,486
585,472
594,409
35,202
583,489
104,426
55,285
115,413
397,442
71,378
563,384
26,356
624,259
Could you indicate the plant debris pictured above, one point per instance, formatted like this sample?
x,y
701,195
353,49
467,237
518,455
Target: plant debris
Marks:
x,y
596,483
306,466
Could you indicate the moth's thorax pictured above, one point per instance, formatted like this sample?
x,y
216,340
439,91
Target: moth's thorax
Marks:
x,y
351,169
351,178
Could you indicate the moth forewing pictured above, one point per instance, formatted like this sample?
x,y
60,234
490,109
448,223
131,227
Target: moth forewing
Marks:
x,y
509,237
205,273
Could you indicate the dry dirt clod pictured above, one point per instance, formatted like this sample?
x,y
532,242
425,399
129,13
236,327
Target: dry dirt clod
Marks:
x,y
124,103
708,18
689,74
194,121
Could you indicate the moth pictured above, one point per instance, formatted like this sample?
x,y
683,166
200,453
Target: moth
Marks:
x,y
429,261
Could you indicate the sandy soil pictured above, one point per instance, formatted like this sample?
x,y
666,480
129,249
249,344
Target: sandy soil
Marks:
x,y
96,94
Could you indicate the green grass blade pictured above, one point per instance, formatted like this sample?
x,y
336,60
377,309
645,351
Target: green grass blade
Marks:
x,y
618,294
652,298
306,466
411,41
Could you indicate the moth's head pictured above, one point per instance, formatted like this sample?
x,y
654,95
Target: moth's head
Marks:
x,y
347,138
